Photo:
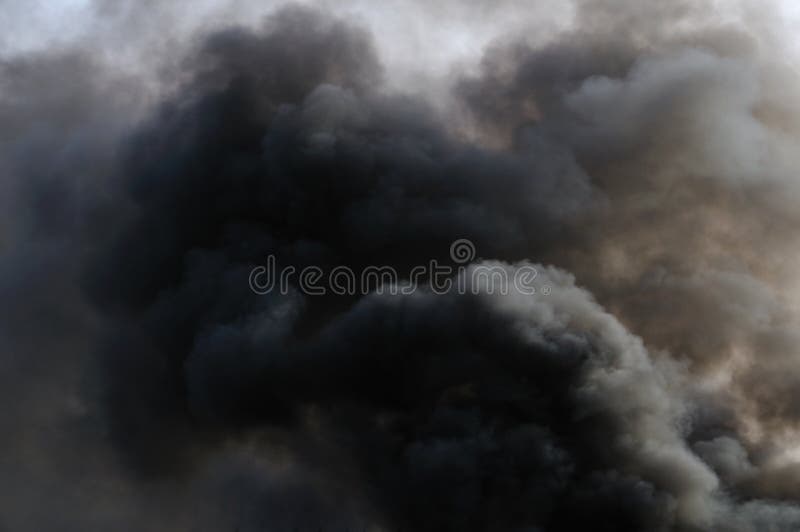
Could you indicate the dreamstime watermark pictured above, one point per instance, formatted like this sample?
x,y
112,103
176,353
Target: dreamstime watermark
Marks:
x,y
462,278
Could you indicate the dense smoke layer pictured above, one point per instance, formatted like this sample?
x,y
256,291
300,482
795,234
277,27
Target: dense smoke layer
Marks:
x,y
641,158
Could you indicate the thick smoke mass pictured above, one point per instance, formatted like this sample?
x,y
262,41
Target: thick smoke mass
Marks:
x,y
641,157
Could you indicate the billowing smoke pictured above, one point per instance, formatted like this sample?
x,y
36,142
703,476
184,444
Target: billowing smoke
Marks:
x,y
640,156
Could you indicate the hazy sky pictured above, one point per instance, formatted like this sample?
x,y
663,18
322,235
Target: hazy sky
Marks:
x,y
419,41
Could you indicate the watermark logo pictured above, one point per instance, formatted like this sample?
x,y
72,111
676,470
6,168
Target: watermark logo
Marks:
x,y
464,277
462,251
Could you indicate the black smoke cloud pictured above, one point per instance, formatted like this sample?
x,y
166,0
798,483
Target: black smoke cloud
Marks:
x,y
153,389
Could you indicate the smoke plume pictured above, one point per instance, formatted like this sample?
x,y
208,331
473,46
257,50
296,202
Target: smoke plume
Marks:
x,y
640,156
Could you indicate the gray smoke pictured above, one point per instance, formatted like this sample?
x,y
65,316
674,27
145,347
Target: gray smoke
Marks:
x,y
641,156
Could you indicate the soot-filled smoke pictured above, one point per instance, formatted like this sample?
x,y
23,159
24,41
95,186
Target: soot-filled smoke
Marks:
x,y
641,160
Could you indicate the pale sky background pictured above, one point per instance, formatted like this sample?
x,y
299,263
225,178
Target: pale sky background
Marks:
x,y
417,41
410,35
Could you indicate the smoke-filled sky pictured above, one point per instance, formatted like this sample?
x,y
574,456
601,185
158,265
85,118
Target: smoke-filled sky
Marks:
x,y
641,156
